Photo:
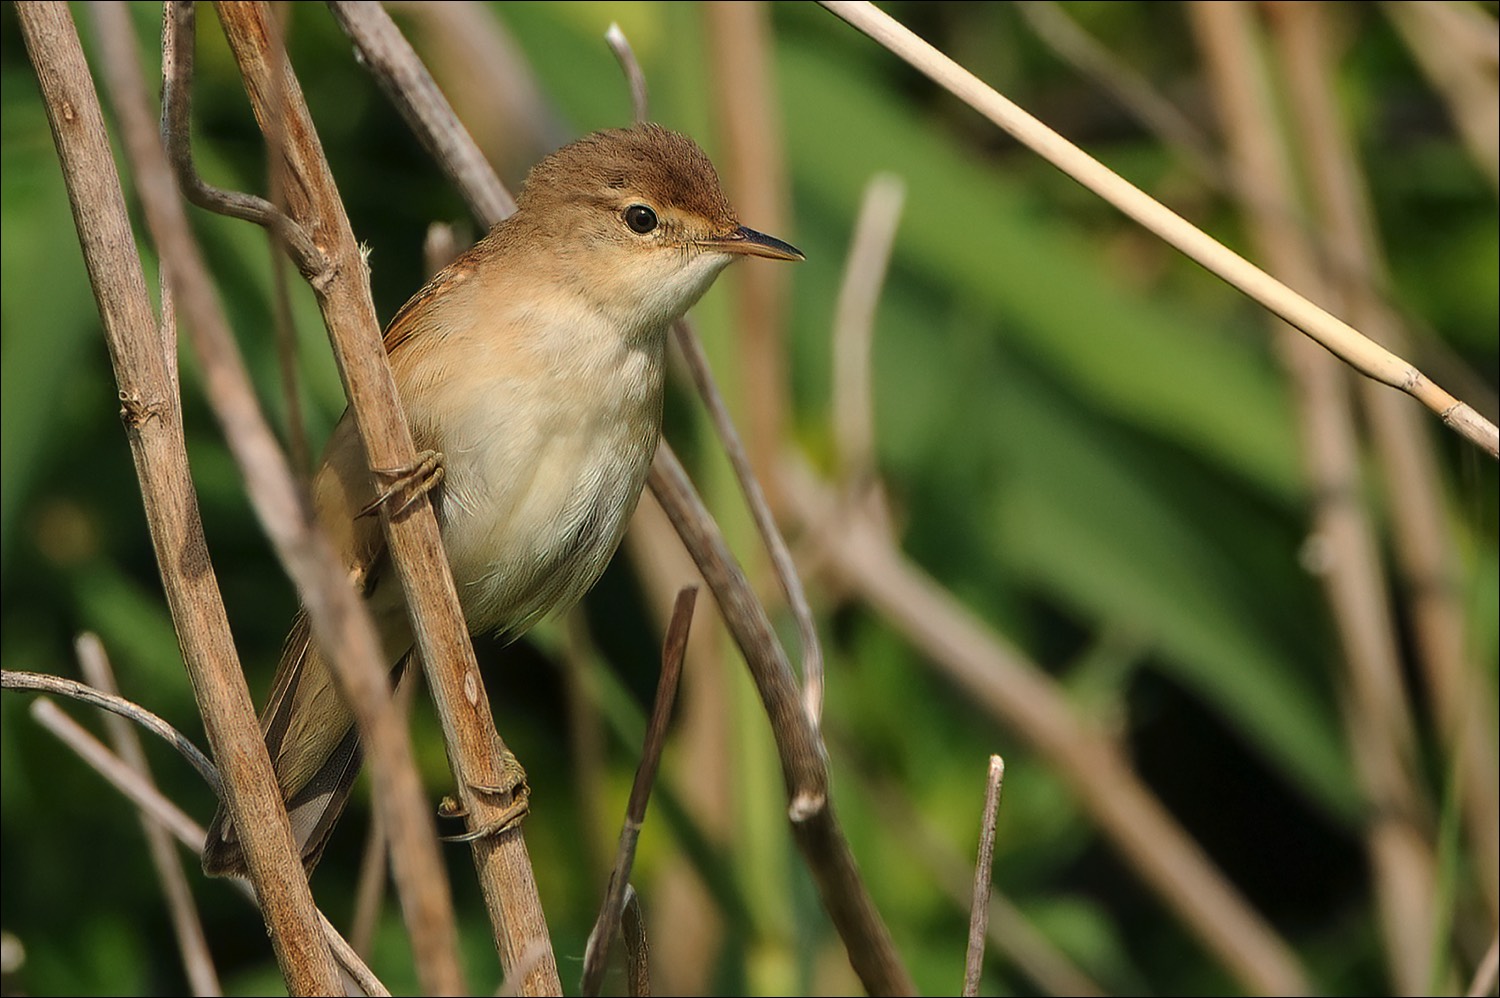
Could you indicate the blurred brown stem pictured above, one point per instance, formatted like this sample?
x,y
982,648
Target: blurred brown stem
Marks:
x,y
862,558
1455,45
1425,546
738,36
1344,553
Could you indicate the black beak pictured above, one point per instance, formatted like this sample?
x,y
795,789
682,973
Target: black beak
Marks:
x,y
748,242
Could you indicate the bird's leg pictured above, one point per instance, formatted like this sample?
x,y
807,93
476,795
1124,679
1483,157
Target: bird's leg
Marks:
x,y
411,482
513,790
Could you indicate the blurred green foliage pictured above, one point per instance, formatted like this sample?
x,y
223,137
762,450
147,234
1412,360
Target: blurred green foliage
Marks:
x,y
1086,438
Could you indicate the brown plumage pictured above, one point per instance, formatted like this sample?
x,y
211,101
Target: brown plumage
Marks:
x,y
531,374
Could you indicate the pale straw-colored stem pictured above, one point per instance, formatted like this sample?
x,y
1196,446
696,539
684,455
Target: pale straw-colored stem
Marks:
x,y
192,943
854,329
144,795
1351,346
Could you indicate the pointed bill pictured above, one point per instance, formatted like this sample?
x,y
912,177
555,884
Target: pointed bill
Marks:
x,y
748,242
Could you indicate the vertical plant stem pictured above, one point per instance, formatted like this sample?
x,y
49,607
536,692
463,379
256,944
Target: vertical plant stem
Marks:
x,y
979,908
153,418
739,48
475,749
1344,554
1425,547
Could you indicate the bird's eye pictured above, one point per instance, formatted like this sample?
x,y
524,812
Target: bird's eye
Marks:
x,y
640,218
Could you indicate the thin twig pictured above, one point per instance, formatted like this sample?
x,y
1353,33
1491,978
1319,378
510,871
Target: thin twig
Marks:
x,y
1011,934
188,832
854,330
1361,353
608,922
979,909
186,925
640,100
10,679
691,348
178,22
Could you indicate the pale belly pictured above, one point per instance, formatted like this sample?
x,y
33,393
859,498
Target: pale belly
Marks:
x,y
526,546
538,489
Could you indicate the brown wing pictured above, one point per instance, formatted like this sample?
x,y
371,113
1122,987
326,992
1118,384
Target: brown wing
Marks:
x,y
404,323
309,733
343,487
314,748
341,490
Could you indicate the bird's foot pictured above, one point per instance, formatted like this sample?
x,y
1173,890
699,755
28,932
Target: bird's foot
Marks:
x,y
410,482
510,803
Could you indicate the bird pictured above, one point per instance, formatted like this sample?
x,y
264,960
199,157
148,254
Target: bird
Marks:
x,y
531,372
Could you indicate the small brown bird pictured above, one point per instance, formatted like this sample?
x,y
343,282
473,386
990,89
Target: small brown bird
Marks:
x,y
531,373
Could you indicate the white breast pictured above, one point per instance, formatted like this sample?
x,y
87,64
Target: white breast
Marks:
x,y
546,441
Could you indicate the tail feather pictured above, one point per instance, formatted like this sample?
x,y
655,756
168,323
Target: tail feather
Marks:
x,y
314,748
